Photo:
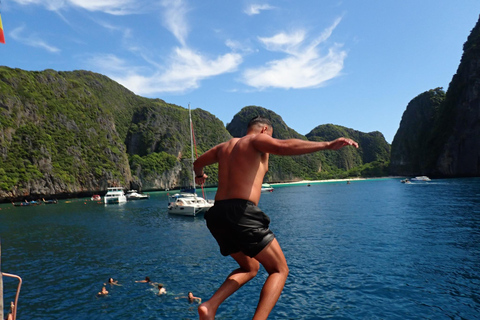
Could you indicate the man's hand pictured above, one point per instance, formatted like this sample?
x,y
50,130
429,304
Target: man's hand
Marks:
x,y
201,179
342,142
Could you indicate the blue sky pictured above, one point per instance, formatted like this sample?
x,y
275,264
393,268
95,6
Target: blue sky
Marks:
x,y
351,63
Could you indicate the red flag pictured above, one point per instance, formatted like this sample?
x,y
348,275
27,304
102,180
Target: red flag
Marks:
x,y
2,36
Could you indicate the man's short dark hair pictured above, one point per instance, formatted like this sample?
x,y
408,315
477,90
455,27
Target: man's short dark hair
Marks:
x,y
259,120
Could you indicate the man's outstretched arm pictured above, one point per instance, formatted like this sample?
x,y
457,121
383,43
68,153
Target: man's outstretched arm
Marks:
x,y
290,147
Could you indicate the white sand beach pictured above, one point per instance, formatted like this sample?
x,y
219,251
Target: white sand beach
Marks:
x,y
306,182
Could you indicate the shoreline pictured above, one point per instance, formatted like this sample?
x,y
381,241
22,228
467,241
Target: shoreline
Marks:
x,y
305,182
81,195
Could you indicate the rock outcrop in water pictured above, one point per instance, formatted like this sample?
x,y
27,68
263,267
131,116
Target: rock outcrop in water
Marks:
x,y
411,147
439,133
460,116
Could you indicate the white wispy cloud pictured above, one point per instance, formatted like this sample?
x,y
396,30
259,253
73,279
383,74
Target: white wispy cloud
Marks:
x,y
115,7
185,70
32,40
254,9
237,46
304,65
125,31
284,42
174,18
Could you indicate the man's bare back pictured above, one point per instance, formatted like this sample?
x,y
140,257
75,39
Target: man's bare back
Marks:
x,y
241,170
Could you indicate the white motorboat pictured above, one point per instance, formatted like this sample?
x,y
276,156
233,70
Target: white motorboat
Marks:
x,y
421,178
266,187
135,195
188,203
115,195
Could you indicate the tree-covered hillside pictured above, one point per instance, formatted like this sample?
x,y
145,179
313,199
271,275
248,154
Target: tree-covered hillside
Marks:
x,y
62,132
74,133
371,159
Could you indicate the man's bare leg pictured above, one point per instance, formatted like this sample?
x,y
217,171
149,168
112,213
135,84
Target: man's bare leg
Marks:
x,y
247,271
274,262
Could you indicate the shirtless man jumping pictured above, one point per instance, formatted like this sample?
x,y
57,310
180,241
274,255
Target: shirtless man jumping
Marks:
x,y
235,221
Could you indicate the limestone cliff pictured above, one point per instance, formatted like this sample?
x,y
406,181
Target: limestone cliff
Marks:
x,y
439,132
61,133
411,147
75,133
460,154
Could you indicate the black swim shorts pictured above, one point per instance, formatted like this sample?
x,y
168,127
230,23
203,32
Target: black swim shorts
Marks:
x,y
239,225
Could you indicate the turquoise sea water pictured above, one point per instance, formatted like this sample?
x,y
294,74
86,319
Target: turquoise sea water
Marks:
x,y
374,249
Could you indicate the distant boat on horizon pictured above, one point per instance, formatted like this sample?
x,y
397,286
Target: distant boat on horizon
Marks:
x,y
267,187
421,178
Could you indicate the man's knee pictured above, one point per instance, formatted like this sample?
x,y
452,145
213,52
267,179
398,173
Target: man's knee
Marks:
x,y
281,268
250,266
254,268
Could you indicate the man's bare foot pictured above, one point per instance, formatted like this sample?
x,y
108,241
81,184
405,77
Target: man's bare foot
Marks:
x,y
205,313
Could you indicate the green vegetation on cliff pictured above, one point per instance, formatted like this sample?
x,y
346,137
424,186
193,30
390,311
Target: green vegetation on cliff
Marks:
x,y
371,159
59,127
79,132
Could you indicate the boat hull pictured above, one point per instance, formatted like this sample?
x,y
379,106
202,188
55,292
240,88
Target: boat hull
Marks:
x,y
188,204
186,211
115,195
114,200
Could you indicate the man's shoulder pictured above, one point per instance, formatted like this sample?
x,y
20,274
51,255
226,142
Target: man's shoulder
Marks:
x,y
228,144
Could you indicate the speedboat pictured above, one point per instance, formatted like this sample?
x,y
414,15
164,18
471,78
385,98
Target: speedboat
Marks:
x,y
421,178
188,204
266,187
96,197
115,195
134,195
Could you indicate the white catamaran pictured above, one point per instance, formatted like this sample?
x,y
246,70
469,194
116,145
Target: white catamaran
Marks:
x,y
187,202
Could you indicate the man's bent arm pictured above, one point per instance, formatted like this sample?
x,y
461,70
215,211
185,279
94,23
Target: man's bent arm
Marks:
x,y
290,147
208,158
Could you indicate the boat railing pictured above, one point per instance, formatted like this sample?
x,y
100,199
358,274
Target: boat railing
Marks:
x,y
14,309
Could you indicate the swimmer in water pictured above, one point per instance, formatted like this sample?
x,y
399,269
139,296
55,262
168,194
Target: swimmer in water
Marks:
x,y
191,298
104,291
146,280
113,282
161,289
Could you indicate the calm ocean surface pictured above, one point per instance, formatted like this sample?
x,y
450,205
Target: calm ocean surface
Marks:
x,y
375,249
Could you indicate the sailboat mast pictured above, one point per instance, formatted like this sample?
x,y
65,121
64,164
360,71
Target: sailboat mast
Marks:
x,y
191,145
